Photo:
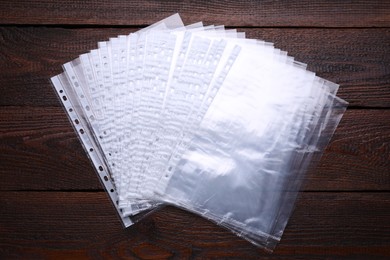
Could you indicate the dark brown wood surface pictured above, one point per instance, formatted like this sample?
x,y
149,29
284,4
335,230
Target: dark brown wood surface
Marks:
x,y
329,13
52,205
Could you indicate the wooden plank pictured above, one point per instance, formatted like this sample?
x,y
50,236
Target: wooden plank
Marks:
x,y
83,224
354,58
39,150
233,13
358,156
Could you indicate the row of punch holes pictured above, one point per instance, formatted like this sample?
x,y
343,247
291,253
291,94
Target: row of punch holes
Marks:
x,y
77,125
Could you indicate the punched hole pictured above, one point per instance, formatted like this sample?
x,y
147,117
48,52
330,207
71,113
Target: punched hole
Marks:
x,y
82,131
91,149
64,98
105,178
101,168
61,91
76,121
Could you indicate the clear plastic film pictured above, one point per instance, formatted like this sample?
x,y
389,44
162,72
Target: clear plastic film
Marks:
x,y
73,108
255,142
188,91
88,79
190,63
201,118
223,182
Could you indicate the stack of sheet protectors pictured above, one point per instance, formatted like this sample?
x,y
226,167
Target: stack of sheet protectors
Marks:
x,y
201,118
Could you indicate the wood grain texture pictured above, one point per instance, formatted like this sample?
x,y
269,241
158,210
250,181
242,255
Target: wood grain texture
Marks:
x,y
323,225
59,210
39,150
354,58
335,13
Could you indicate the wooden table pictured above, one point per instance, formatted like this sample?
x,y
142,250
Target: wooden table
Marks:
x,y
51,202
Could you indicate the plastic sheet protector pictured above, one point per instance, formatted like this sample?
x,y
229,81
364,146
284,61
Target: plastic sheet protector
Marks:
x,y
202,118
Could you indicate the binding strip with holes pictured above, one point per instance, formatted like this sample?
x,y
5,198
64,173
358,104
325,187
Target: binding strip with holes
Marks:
x,y
72,108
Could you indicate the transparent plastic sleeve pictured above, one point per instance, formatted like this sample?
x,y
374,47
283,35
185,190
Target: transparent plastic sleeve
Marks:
x,y
254,144
201,118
